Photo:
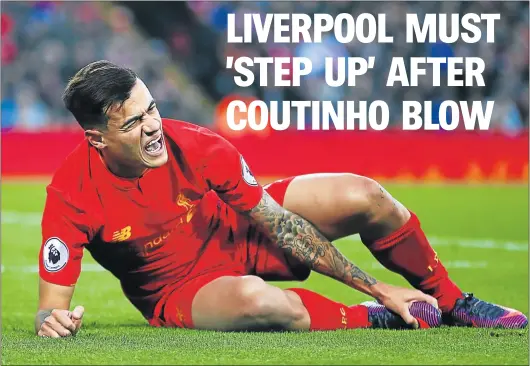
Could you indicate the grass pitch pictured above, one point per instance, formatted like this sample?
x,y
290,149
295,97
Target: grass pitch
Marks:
x,y
479,232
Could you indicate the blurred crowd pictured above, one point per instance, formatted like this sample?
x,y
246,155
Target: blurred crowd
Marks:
x,y
45,43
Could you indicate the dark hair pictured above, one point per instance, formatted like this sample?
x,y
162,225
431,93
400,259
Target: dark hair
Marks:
x,y
94,89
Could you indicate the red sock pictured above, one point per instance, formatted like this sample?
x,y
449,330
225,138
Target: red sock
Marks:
x,y
327,314
408,253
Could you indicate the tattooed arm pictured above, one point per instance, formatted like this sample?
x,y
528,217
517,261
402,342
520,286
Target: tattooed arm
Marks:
x,y
302,240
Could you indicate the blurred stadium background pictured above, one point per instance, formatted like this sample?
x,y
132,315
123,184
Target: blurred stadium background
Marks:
x,y
179,49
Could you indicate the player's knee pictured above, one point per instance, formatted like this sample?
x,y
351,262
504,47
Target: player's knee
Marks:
x,y
262,304
358,193
366,197
252,294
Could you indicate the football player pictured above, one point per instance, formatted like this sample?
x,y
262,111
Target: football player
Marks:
x,y
174,212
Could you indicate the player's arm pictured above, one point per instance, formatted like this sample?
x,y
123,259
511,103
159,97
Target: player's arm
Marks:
x,y
302,240
65,231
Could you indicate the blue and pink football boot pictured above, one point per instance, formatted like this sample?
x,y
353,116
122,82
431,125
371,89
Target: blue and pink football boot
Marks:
x,y
382,318
467,312
472,312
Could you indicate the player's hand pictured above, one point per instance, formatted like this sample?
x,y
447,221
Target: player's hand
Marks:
x,y
61,323
398,300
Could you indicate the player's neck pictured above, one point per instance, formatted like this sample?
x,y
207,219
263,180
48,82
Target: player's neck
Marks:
x,y
122,171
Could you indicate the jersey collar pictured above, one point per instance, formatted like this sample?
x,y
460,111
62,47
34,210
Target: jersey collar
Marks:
x,y
102,171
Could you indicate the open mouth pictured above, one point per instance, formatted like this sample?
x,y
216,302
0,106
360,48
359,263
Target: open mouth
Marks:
x,y
155,147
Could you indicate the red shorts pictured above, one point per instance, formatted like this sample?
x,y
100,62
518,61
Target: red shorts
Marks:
x,y
263,260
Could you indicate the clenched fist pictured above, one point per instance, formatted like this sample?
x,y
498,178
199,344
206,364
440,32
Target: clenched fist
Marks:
x,y
58,323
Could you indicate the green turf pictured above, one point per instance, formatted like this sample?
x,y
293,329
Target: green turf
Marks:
x,y
115,333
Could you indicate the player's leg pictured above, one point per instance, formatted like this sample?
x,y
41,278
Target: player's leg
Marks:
x,y
345,204
246,302
228,301
249,303
270,263
341,204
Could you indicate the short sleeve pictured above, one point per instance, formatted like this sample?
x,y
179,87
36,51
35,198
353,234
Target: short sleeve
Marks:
x,y
226,172
65,232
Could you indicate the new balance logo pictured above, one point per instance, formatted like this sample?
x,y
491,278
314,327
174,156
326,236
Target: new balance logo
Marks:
x,y
122,234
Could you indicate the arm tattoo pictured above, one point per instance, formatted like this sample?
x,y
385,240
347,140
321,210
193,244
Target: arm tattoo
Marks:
x,y
301,239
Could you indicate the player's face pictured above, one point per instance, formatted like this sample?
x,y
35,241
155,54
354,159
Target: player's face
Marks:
x,y
134,138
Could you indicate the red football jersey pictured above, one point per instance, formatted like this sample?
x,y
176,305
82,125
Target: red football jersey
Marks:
x,y
148,231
